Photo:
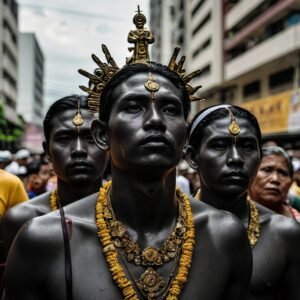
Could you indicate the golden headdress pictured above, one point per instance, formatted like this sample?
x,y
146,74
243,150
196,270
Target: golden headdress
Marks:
x,y
141,38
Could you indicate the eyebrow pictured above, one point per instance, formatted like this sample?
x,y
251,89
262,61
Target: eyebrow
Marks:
x,y
229,137
134,95
71,130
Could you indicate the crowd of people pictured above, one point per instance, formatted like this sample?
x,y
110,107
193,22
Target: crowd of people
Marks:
x,y
132,201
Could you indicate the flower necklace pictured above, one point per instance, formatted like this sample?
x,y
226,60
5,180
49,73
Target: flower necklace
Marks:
x,y
54,200
253,229
149,256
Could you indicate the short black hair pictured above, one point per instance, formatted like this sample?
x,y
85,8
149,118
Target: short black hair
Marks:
x,y
68,102
237,111
127,71
276,150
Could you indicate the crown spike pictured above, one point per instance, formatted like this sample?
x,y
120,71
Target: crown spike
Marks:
x,y
108,57
97,60
192,75
172,63
90,76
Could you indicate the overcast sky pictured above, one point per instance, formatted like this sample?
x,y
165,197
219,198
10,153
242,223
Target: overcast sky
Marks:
x,y
69,31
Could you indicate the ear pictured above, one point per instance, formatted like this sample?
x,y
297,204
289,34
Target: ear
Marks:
x,y
99,133
191,157
46,150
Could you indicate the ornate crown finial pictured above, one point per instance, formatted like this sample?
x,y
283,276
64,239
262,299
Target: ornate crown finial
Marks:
x,y
141,37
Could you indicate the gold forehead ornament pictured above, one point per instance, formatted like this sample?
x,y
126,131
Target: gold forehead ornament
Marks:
x,y
151,85
78,120
141,37
233,128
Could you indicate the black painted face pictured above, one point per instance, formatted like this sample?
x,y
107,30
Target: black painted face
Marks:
x,y
227,166
74,155
146,133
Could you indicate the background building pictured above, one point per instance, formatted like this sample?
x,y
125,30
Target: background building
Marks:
x,y
30,94
249,53
11,125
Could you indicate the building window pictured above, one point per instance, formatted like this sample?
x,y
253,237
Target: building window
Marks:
x,y
203,46
8,53
202,23
10,30
9,78
228,94
251,89
197,7
282,78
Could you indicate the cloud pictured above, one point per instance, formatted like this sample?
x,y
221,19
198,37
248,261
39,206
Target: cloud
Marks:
x,y
69,31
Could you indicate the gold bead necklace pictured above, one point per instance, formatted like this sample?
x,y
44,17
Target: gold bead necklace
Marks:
x,y
54,200
253,229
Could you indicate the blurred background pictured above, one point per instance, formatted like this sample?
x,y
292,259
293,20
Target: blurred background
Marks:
x,y
249,52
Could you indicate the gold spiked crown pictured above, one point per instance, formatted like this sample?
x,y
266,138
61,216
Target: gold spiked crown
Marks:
x,y
141,37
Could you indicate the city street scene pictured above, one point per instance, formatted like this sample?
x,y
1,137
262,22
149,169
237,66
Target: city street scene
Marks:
x,y
150,149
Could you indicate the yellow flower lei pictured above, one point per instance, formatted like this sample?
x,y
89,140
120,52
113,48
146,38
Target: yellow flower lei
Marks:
x,y
111,255
54,200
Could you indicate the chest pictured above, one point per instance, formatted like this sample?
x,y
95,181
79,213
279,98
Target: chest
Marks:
x,y
269,263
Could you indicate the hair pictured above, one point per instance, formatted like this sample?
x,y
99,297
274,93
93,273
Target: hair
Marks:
x,y
195,137
276,150
127,71
69,102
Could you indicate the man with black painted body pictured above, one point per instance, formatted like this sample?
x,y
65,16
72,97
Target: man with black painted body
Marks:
x,y
144,239
73,155
225,148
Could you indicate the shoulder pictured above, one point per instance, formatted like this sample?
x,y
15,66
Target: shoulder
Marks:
x,y
28,210
218,222
287,228
282,228
38,233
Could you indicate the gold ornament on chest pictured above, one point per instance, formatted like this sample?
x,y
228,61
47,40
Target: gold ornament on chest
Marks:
x,y
177,250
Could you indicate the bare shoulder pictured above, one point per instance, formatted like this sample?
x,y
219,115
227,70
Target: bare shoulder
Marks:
x,y
28,209
19,215
40,231
279,226
287,229
219,223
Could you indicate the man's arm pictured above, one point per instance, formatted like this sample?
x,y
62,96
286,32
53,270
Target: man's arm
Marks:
x,y
291,241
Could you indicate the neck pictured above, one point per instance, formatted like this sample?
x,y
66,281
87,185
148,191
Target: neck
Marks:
x,y
144,204
69,193
236,204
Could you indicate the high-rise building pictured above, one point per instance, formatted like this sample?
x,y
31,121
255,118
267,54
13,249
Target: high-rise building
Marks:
x,y
31,75
30,94
249,53
9,121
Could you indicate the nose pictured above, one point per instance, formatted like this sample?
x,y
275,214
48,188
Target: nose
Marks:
x,y
234,157
154,118
274,176
78,148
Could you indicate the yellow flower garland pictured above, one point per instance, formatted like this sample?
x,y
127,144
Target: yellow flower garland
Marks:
x,y
111,255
